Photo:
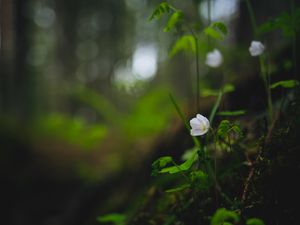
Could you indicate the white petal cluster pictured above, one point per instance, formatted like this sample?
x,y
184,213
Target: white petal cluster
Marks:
x,y
256,48
200,125
214,58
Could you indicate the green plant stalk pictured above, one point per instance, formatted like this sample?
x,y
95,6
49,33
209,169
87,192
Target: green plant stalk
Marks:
x,y
209,11
294,46
212,175
215,107
197,66
196,142
294,38
266,78
252,17
263,69
197,73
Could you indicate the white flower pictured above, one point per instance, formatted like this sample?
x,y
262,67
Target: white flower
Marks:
x,y
214,58
256,48
200,125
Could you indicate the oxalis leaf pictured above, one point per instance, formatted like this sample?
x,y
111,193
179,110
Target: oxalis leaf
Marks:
x,y
224,216
225,127
232,113
180,188
255,221
206,92
160,163
161,9
185,43
182,167
285,84
115,218
173,21
216,30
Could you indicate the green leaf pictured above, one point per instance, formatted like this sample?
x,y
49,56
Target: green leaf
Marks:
x,y
163,161
189,153
285,84
223,215
237,129
226,127
161,9
115,218
180,188
160,163
182,167
185,43
199,179
223,128
254,221
286,22
173,21
209,31
232,113
206,92
216,30
228,88
221,27
170,220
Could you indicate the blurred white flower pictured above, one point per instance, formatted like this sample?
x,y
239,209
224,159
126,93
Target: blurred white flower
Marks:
x,y
256,48
214,58
200,125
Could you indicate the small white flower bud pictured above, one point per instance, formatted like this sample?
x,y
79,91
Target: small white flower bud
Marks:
x,y
214,58
256,48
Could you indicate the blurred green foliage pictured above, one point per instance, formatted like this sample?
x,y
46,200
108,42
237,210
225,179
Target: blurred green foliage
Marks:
x,y
72,130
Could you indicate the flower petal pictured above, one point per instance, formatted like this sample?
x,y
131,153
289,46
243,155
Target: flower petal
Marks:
x,y
197,132
204,120
195,123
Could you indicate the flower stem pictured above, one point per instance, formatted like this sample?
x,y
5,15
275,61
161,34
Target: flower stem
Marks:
x,y
197,74
263,67
294,38
215,108
252,17
267,81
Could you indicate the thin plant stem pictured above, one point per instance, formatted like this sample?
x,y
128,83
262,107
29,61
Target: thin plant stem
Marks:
x,y
263,68
197,66
181,171
266,79
196,142
252,17
294,39
215,108
197,74
209,11
208,21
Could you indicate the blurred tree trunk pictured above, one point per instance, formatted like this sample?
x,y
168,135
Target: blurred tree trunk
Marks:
x,y
7,55
16,85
